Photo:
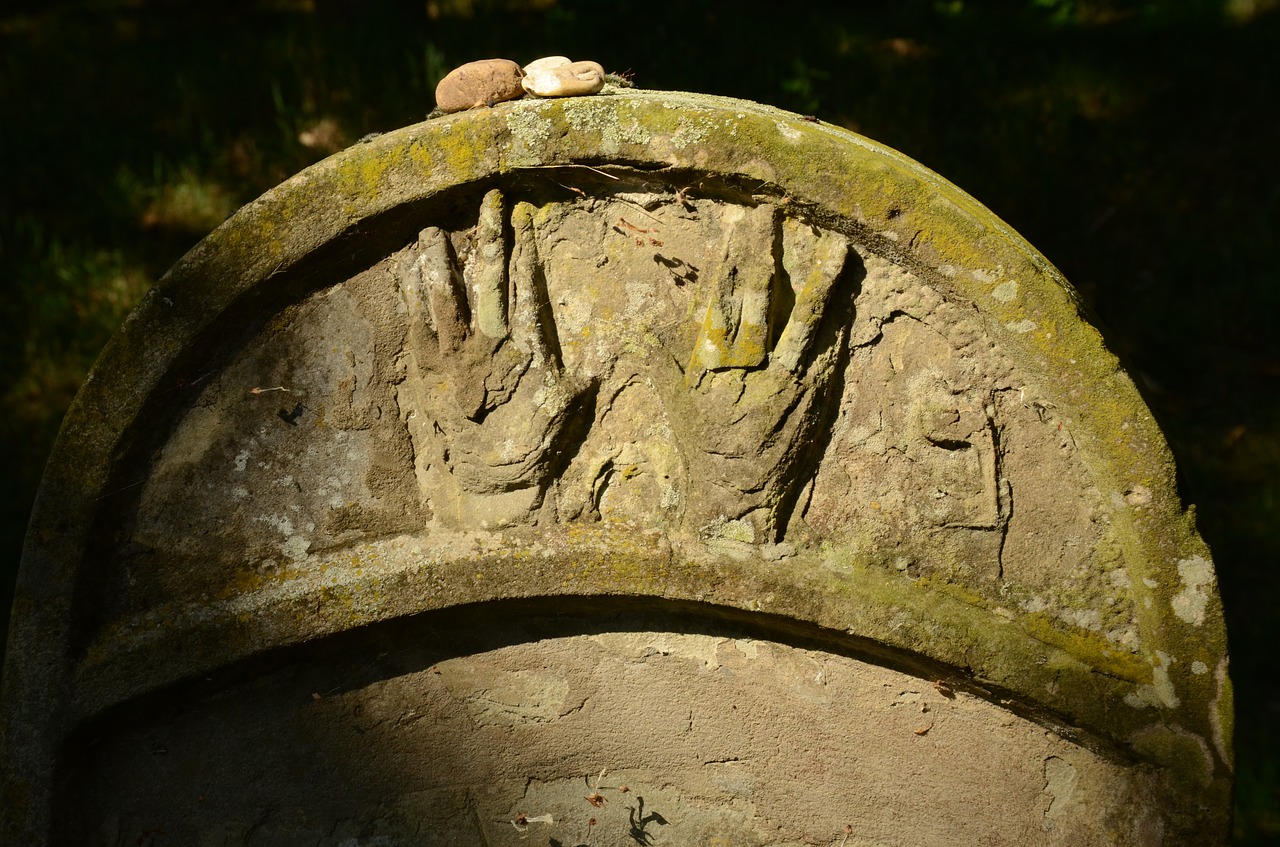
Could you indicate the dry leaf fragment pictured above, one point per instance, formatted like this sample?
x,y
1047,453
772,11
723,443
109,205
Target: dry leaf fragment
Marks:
x,y
521,821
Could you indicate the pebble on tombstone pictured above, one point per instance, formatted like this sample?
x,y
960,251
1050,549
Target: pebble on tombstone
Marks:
x,y
481,83
558,76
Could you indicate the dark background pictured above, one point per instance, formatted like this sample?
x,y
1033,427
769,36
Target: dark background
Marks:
x,y
1136,143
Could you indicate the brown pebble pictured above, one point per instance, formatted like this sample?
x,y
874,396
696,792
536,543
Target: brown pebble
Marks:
x,y
480,83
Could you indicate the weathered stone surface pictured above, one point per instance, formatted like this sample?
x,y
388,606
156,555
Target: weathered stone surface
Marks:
x,y
615,433
557,76
781,745
481,83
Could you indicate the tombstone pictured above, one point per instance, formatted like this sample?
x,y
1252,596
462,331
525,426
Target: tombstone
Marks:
x,y
646,468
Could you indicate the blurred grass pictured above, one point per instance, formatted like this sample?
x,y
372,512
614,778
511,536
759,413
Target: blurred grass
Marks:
x,y
1134,143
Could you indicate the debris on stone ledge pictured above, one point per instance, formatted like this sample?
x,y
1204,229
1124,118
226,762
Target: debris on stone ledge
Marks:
x,y
557,76
481,83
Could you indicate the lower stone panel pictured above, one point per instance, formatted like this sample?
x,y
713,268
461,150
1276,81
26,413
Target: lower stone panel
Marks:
x,y
491,733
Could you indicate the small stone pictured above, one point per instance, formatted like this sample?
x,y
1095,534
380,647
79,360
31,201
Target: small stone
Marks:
x,y
481,83
556,76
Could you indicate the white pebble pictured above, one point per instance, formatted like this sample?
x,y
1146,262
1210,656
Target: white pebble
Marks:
x,y
556,76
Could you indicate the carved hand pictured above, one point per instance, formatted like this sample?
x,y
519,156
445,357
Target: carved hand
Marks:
x,y
498,401
752,394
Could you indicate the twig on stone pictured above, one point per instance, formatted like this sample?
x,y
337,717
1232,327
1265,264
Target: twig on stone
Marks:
x,y
569,165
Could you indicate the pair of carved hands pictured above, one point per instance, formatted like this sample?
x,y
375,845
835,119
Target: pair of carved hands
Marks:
x,y
741,412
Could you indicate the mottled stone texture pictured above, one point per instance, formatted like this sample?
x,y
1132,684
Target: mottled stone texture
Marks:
x,y
614,434
746,741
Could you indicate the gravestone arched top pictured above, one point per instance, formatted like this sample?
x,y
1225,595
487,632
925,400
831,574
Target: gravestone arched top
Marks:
x,y
644,347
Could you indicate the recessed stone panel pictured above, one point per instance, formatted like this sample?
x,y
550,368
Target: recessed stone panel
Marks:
x,y
657,737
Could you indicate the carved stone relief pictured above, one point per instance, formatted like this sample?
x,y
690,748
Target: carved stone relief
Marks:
x,y
673,381
614,433
945,463
732,377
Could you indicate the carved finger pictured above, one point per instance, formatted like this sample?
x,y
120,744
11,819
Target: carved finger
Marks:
x,y
528,328
487,271
817,269
735,328
757,272
413,291
438,271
